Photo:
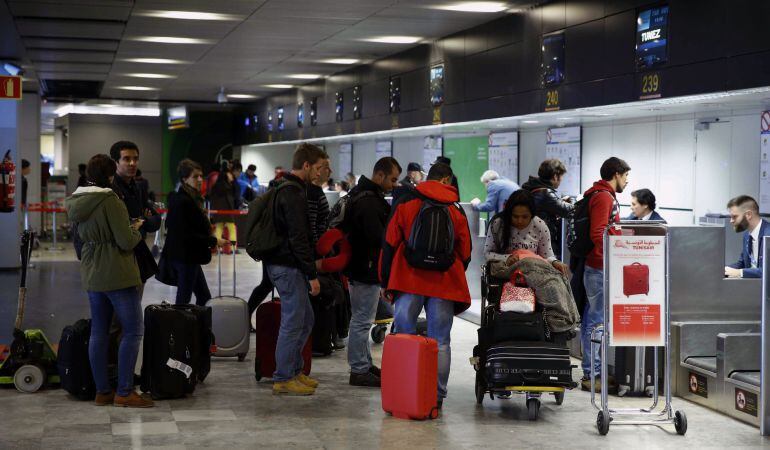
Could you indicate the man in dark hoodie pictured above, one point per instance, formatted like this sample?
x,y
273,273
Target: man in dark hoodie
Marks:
x,y
548,205
602,209
367,218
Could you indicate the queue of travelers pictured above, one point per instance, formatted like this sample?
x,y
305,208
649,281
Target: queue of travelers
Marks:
x,y
113,213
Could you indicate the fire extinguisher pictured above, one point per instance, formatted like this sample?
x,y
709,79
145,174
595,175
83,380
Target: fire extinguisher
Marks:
x,y
7,184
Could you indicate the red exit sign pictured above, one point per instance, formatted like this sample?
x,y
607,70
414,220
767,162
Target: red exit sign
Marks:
x,y
10,88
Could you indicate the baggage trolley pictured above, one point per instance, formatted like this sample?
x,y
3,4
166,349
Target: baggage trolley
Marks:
x,y
532,394
638,416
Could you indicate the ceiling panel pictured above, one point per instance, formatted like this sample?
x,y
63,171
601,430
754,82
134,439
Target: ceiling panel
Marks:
x,y
70,56
72,67
71,44
70,10
42,75
69,28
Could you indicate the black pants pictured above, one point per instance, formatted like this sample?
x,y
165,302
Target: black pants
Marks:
x,y
260,292
191,280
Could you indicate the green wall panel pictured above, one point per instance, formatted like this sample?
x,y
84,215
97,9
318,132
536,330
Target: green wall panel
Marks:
x,y
470,158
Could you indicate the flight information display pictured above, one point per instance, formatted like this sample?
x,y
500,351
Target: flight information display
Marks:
x,y
338,106
280,119
395,94
437,85
652,37
553,59
313,111
300,115
357,102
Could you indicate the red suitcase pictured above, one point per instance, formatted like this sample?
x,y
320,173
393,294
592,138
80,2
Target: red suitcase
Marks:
x,y
636,279
267,323
410,376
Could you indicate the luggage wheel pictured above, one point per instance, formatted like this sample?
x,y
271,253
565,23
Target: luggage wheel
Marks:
x,y
241,357
480,389
378,333
533,408
559,396
680,423
603,423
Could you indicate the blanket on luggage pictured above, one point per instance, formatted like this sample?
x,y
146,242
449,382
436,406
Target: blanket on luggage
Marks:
x,y
552,290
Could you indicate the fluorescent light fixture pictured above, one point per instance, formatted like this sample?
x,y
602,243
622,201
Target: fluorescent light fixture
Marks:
x,y
171,40
155,61
305,76
244,96
477,7
395,39
279,86
12,69
187,15
530,121
341,61
136,88
113,110
150,75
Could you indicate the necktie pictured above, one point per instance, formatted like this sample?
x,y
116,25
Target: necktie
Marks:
x,y
752,257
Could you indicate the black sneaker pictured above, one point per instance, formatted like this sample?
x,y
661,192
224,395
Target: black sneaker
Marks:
x,y
376,371
364,379
338,344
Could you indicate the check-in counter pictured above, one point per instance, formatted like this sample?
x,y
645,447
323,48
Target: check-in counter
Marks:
x,y
473,274
738,367
733,240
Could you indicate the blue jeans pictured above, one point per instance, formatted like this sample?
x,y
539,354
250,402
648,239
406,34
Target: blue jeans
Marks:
x,y
296,320
593,315
440,314
190,279
127,306
364,299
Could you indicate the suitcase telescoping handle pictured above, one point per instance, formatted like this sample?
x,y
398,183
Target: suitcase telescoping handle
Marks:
x,y
233,245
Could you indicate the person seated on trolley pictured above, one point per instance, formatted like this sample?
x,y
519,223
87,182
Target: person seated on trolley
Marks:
x,y
744,217
517,228
643,206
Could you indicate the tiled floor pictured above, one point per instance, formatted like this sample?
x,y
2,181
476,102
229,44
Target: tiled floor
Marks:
x,y
232,410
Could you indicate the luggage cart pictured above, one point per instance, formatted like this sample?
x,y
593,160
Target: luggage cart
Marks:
x,y
638,416
532,394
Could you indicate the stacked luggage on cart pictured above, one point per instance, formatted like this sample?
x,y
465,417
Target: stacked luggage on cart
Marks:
x,y
517,353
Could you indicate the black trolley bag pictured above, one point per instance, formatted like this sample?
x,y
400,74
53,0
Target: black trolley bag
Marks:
x,y
528,364
171,358
73,363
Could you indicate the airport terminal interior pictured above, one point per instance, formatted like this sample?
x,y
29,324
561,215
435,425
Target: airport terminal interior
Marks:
x,y
671,97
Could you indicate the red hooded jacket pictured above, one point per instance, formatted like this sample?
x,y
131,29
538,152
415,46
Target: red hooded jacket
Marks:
x,y
602,208
396,273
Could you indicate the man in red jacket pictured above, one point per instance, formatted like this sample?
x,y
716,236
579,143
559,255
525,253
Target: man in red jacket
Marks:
x,y
602,208
443,293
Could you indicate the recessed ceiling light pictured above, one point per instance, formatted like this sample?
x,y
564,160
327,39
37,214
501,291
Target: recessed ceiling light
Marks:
x,y
136,88
171,40
341,61
154,61
279,86
479,7
245,96
149,75
395,39
530,121
305,76
187,15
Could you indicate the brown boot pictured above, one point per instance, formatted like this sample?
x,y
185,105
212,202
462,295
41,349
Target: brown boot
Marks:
x,y
104,399
133,400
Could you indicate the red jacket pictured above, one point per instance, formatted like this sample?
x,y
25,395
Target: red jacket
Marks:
x,y
602,207
395,271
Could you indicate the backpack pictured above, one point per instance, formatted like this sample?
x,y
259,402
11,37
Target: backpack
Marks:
x,y
579,227
262,238
432,237
338,216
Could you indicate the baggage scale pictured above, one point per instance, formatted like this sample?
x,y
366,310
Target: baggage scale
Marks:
x,y
636,314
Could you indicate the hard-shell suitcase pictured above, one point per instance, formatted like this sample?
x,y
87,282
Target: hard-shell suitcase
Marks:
x,y
171,351
636,279
410,376
528,364
73,363
634,370
230,319
267,323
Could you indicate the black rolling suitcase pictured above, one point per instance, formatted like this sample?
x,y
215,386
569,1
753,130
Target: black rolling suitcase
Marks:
x,y
323,327
171,359
206,335
634,370
528,364
73,363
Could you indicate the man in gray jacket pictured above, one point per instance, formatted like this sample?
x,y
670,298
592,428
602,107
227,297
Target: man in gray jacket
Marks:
x,y
548,205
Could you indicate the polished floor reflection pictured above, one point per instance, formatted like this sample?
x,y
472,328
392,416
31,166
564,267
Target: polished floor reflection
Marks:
x,y
232,410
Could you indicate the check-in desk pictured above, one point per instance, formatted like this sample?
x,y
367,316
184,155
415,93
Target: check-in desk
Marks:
x,y
473,274
704,304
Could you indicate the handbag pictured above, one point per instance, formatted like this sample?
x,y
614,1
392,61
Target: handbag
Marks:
x,y
146,262
166,273
517,296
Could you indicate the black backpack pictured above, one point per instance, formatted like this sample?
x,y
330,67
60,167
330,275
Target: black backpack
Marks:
x,y
338,216
262,238
432,237
579,227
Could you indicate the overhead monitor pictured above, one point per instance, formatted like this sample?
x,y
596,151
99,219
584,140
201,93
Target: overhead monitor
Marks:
x,y
652,37
313,111
338,106
300,115
395,94
270,121
357,102
553,59
437,84
177,117
280,119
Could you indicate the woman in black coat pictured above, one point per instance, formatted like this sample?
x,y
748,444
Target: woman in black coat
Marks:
x,y
189,240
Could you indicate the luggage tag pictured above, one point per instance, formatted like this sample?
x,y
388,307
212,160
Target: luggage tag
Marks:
x,y
180,366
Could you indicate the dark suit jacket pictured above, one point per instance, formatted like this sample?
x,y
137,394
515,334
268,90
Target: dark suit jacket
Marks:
x,y
744,262
654,216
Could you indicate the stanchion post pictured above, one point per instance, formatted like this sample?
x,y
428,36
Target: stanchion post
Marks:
x,y
764,383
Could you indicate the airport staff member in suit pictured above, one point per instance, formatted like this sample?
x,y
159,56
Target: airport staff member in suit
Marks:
x,y
744,216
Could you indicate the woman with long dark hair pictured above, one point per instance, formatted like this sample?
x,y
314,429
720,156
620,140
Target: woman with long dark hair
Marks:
x,y
517,228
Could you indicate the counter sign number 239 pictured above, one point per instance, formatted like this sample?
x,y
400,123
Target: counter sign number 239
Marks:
x,y
650,85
